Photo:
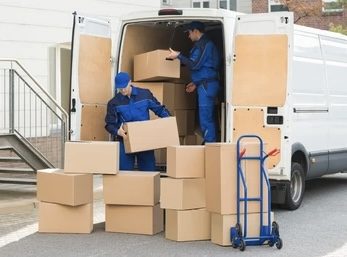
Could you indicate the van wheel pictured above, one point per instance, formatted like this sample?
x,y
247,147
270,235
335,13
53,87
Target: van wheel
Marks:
x,y
296,189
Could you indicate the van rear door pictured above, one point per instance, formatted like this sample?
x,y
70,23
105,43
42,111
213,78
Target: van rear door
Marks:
x,y
262,68
91,87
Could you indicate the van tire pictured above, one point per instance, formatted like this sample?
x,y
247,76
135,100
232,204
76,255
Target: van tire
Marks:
x,y
296,188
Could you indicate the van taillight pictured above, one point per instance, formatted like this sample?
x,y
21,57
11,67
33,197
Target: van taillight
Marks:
x,y
170,12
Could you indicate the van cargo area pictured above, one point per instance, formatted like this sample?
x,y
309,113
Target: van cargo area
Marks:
x,y
139,38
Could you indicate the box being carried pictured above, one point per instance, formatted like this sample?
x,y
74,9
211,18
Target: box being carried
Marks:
x,y
154,66
150,134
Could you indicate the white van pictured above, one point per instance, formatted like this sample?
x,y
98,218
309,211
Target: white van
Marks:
x,y
283,82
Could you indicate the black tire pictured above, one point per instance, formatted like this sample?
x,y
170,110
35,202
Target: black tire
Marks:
x,y
275,228
242,245
296,189
238,229
233,244
279,244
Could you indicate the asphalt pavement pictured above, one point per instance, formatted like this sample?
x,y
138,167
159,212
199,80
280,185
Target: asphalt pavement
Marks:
x,y
318,228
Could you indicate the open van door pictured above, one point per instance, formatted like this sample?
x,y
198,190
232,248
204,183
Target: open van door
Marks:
x,y
91,87
262,71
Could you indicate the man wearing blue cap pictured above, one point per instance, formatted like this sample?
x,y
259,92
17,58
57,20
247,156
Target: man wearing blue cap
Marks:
x,y
203,62
131,104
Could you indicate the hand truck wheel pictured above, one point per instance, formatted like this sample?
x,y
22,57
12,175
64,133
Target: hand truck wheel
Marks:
x,y
279,244
242,245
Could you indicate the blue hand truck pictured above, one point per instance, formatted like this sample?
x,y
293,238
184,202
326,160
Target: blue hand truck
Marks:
x,y
268,234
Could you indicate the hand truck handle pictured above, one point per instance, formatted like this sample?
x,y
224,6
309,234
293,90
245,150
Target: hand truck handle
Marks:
x,y
242,153
273,152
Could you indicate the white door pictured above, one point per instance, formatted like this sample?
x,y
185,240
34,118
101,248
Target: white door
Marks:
x,y
90,78
260,77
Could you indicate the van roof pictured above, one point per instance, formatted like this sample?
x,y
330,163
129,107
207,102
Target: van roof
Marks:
x,y
194,13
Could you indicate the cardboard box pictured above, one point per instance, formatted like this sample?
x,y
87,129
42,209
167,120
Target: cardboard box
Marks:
x,y
150,135
160,156
154,66
58,218
185,121
132,188
148,220
221,178
221,224
186,161
173,96
252,170
91,157
182,194
71,189
189,225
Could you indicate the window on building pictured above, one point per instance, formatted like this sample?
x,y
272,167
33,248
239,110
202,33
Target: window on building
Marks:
x,y
166,2
277,6
332,6
201,4
227,4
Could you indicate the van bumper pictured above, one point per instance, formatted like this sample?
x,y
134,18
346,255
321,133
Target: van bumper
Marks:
x,y
278,191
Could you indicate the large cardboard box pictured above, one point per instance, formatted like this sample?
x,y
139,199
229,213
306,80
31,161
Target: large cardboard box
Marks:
x,y
91,157
148,220
132,188
186,161
221,224
71,189
182,193
150,135
58,218
185,121
188,225
155,66
173,96
221,178
253,177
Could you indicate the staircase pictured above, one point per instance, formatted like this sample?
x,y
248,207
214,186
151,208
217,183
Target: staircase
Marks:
x,y
33,126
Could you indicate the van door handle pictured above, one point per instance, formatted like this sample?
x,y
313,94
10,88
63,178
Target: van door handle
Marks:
x,y
73,107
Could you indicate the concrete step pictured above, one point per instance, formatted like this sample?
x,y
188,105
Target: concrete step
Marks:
x,y
10,159
17,170
26,181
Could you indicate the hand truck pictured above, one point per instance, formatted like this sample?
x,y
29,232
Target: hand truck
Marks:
x,y
268,235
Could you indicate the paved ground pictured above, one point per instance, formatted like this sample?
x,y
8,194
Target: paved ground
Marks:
x,y
318,228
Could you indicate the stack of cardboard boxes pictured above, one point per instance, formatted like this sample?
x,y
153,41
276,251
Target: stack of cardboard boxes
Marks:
x,y
183,194
66,197
221,188
132,203
166,79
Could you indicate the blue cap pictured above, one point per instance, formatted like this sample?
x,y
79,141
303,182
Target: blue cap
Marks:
x,y
195,25
122,79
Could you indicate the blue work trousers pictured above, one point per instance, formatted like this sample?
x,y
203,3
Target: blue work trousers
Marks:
x,y
207,93
145,160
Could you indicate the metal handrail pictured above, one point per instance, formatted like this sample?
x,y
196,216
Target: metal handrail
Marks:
x,y
65,114
21,87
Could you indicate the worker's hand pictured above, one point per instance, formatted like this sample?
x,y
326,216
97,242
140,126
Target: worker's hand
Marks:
x,y
121,132
190,87
173,54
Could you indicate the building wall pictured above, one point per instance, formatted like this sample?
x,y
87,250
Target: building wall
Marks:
x,y
29,28
244,6
321,22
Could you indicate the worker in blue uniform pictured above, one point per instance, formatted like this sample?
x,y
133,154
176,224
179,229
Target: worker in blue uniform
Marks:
x,y
203,62
131,104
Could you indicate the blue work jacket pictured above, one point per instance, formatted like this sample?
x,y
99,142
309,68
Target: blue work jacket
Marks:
x,y
122,109
203,61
